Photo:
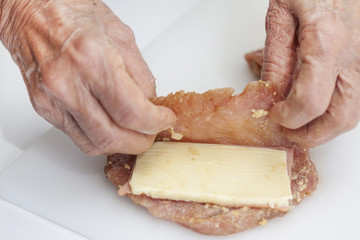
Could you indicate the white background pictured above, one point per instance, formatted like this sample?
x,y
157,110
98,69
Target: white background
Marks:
x,y
50,190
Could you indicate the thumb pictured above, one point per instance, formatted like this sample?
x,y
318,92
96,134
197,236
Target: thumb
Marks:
x,y
280,45
322,38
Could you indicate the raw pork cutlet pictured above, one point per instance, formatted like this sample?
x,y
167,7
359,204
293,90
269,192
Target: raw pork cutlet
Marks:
x,y
220,117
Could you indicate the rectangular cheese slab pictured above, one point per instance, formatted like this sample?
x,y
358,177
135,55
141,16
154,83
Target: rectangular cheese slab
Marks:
x,y
226,175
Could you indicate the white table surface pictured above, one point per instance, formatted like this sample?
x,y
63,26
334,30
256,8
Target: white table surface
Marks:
x,y
20,126
50,190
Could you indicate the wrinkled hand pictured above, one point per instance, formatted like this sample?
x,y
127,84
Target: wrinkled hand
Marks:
x,y
84,73
315,44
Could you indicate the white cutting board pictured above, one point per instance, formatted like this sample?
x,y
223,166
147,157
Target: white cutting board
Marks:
x,y
204,50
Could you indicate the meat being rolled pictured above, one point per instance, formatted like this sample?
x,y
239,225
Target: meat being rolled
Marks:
x,y
220,117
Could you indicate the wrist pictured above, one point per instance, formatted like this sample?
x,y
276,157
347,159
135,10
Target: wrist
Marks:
x,y
5,6
13,17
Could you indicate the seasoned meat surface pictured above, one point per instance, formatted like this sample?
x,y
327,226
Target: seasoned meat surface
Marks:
x,y
220,117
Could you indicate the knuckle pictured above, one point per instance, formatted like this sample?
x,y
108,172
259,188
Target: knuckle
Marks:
x,y
314,108
310,107
123,144
52,81
83,44
38,97
47,109
352,124
344,118
310,102
279,23
85,52
126,117
145,145
313,111
328,35
127,35
272,15
339,122
71,128
316,62
274,69
109,144
273,20
91,151
87,147
349,123
310,59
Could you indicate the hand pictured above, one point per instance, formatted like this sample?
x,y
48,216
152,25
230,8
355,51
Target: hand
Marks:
x,y
315,45
84,73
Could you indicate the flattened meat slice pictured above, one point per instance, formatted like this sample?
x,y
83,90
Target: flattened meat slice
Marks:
x,y
207,218
218,116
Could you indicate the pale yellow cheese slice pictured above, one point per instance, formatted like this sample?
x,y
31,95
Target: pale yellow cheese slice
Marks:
x,y
210,173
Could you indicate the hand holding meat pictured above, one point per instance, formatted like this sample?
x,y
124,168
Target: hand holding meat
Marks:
x,y
84,73
314,44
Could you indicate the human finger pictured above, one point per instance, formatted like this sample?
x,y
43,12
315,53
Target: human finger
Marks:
x,y
88,113
279,52
77,135
320,43
51,110
125,103
107,135
341,116
123,39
